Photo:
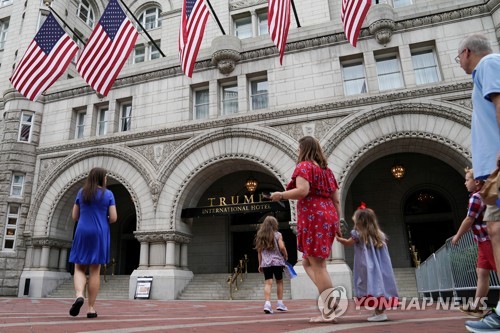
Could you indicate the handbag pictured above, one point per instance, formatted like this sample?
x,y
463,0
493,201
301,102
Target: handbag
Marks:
x,y
289,271
489,191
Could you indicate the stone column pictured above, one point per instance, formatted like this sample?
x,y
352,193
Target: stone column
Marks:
x,y
177,254
44,259
184,256
144,256
156,250
63,257
171,250
255,23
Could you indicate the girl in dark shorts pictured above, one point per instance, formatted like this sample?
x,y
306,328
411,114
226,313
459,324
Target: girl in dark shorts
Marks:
x,y
272,256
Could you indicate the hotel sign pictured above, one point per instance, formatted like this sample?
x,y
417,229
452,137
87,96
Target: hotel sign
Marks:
x,y
218,206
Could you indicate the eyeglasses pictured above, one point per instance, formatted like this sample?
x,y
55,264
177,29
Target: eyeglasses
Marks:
x,y
457,58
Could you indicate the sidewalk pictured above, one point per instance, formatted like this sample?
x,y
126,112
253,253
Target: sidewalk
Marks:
x,y
124,316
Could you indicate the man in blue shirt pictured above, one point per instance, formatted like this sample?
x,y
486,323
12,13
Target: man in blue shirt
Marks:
x,y
476,57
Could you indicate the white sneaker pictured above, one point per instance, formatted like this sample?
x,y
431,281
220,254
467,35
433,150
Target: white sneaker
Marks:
x,y
267,308
376,317
281,307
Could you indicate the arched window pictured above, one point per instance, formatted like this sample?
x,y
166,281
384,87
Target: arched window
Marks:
x,y
150,18
86,13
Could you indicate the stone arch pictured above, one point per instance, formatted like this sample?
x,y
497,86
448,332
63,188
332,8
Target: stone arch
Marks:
x,y
122,166
138,8
439,129
188,173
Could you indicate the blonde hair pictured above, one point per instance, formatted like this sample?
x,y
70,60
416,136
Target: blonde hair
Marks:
x,y
367,226
264,239
469,170
310,150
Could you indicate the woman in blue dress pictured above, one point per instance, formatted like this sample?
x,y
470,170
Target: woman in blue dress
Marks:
x,y
374,282
94,210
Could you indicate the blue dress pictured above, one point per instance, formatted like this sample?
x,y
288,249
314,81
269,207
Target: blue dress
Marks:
x,y
373,274
92,237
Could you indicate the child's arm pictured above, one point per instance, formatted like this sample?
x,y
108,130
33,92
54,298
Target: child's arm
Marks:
x,y
344,241
260,260
281,244
464,227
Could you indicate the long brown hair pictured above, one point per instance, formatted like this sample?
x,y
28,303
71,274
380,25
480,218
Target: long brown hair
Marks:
x,y
367,226
264,240
95,179
310,150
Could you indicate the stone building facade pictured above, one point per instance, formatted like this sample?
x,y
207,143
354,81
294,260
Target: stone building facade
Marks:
x,y
174,145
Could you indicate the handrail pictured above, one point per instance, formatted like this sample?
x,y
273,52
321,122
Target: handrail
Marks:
x,y
105,269
239,271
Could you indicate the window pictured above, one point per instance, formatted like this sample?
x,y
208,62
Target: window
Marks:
x,y
389,73
26,126
262,18
401,3
201,104
154,53
243,27
230,99
354,78
16,188
126,117
4,28
86,13
258,94
11,227
139,54
80,124
424,64
102,121
150,18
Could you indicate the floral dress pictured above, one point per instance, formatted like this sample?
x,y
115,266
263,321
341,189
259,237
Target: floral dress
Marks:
x,y
317,218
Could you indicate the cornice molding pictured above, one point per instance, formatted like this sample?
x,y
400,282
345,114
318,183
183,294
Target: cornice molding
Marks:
x,y
224,122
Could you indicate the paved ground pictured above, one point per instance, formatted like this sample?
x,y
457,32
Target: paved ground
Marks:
x,y
124,316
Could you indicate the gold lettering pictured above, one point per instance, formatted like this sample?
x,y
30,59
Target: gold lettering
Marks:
x,y
211,201
237,200
248,199
222,201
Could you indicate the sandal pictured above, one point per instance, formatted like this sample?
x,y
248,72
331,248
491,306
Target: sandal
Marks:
x,y
75,308
321,320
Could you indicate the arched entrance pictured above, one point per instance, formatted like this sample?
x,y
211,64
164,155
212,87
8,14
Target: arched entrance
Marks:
x,y
224,236
423,208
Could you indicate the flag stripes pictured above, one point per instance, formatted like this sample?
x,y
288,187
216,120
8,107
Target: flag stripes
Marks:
x,y
37,69
278,23
352,15
193,20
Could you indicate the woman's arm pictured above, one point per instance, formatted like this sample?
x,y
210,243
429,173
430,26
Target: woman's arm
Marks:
x,y
260,260
75,214
281,244
112,216
299,192
336,204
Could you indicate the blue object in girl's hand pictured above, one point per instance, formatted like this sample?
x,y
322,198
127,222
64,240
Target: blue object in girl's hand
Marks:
x,y
290,272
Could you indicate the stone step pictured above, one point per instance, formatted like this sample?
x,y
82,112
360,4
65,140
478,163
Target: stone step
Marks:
x,y
115,288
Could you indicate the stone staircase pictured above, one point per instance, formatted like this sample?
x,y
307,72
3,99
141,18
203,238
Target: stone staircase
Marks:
x,y
215,287
406,282
115,288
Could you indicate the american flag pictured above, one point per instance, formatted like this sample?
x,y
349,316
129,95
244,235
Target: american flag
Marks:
x,y
353,15
107,49
45,60
278,23
193,20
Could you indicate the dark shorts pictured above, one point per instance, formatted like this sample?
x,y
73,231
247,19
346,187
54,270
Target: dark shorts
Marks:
x,y
277,271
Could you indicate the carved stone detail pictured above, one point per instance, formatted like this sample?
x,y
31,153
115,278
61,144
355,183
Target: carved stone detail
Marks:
x,y
321,128
381,23
157,153
226,60
46,166
162,236
239,4
50,242
465,102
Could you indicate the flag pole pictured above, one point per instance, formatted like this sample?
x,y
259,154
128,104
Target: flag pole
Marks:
x,y
295,14
140,25
216,18
65,24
